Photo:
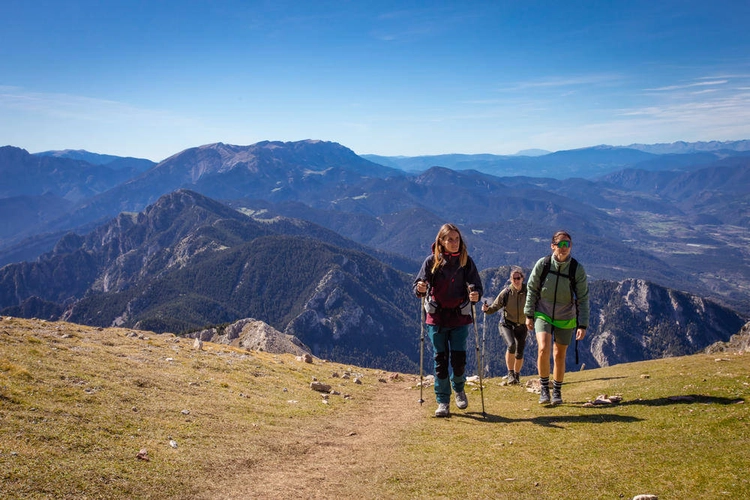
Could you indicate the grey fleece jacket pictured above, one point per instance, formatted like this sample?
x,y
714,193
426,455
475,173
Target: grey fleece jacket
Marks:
x,y
553,296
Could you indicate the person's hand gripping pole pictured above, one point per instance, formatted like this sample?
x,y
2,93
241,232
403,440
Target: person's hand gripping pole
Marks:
x,y
422,290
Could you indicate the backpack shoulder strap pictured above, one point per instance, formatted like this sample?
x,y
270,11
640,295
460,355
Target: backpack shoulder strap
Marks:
x,y
572,270
572,277
545,270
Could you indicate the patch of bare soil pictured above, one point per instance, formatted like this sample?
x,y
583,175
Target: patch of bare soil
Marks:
x,y
342,458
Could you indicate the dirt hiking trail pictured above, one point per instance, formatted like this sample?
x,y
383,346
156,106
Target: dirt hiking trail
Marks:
x,y
343,458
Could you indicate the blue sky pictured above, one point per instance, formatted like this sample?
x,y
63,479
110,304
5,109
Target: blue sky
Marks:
x,y
152,78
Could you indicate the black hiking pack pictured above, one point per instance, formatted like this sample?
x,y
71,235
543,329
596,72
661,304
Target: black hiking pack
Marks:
x,y
572,269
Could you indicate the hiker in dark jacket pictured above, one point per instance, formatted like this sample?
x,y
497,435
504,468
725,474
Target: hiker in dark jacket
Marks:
x,y
444,281
512,300
556,311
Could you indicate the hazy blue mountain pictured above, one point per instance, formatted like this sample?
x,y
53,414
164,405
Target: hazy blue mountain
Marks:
x,y
533,152
266,170
591,162
682,224
135,165
74,180
681,147
585,162
17,213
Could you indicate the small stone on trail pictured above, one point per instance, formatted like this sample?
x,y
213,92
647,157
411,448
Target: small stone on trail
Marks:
x,y
142,455
319,386
305,358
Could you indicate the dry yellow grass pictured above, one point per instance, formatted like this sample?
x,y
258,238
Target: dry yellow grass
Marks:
x,y
77,404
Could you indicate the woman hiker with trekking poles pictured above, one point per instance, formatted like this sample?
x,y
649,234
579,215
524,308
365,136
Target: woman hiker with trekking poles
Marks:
x,y
557,306
512,300
444,283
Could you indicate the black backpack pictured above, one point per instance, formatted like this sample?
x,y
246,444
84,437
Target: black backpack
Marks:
x,y
572,269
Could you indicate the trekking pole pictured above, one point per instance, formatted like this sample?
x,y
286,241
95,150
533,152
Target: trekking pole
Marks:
x,y
484,332
421,349
479,353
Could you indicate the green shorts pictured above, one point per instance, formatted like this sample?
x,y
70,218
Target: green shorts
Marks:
x,y
562,336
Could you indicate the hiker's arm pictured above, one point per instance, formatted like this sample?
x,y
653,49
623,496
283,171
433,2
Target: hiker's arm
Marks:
x,y
495,306
419,287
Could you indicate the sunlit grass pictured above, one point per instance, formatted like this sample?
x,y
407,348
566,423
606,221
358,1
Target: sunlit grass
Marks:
x,y
77,405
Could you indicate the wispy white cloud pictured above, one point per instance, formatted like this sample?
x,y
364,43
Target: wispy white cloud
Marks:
x,y
564,82
75,107
689,85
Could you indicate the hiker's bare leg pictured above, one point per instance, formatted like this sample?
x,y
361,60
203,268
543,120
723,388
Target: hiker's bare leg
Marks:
x,y
559,370
510,359
543,340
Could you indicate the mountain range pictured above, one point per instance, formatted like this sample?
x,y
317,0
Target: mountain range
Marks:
x,y
321,243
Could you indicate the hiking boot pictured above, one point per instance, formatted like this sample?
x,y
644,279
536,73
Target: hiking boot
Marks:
x,y
461,401
556,397
443,410
517,377
511,378
544,395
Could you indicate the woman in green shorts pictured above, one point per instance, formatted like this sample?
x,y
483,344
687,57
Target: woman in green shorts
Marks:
x,y
557,306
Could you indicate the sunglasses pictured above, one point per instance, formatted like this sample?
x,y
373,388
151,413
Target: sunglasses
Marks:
x,y
563,244
517,278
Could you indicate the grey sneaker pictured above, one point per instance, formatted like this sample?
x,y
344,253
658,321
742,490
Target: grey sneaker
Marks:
x,y
443,410
544,396
461,401
556,397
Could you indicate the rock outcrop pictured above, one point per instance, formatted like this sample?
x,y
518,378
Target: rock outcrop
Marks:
x,y
254,335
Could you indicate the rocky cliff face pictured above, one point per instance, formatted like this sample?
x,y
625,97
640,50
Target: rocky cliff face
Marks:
x,y
636,320
739,343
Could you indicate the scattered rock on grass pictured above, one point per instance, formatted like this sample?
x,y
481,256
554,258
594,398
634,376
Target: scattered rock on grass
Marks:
x,y
320,387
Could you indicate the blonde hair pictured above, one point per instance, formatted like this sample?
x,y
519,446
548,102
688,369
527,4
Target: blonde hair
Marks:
x,y
438,249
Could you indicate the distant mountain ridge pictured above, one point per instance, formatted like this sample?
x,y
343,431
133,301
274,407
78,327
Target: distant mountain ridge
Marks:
x,y
682,147
74,180
700,198
587,162
114,162
187,262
